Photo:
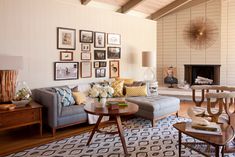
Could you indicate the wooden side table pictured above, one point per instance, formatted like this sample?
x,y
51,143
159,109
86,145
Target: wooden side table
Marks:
x,y
215,140
23,116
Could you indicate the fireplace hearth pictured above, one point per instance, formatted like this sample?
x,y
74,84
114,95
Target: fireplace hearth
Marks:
x,y
202,74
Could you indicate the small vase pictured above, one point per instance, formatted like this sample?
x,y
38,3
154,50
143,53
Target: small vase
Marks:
x,y
103,101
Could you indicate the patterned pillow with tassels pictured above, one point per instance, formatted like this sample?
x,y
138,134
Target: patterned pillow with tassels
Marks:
x,y
65,97
118,88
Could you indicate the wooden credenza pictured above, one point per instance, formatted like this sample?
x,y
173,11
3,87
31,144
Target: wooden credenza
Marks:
x,y
18,117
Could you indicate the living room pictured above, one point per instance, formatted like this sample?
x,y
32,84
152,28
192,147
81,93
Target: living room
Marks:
x,y
102,41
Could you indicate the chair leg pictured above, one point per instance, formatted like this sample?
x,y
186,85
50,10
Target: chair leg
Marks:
x,y
177,114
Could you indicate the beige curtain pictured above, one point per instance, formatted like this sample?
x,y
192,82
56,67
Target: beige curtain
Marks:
x,y
7,84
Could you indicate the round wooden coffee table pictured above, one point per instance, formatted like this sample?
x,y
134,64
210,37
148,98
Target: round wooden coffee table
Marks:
x,y
131,108
215,140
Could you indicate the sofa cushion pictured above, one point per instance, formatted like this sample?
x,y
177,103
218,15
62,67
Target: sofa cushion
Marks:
x,y
71,110
136,91
155,103
65,97
79,97
118,88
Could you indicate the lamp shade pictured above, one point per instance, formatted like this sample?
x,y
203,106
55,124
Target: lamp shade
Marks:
x,y
11,62
147,59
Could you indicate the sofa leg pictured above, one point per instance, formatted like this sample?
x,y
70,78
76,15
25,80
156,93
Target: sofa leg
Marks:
x,y
153,122
177,114
53,130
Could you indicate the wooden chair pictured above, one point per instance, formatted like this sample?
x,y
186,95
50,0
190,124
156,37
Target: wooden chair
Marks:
x,y
220,106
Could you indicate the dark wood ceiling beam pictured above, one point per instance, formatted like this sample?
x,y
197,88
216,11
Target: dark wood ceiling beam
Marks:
x,y
129,5
85,2
174,6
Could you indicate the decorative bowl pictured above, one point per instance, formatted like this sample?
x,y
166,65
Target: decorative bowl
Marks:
x,y
21,103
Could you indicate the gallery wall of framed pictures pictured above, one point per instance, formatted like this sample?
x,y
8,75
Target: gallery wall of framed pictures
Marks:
x,y
99,53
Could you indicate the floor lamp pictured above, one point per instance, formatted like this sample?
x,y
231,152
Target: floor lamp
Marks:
x,y
148,61
9,68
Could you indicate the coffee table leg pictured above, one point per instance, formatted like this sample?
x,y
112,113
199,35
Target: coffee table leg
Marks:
x,y
120,131
217,151
94,129
180,143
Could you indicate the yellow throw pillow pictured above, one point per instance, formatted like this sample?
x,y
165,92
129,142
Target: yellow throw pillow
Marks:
x,y
126,80
79,98
136,91
118,88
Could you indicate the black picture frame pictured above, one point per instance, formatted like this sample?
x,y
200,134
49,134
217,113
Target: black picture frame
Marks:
x,y
66,71
103,64
99,41
66,38
99,55
114,52
100,72
86,36
96,64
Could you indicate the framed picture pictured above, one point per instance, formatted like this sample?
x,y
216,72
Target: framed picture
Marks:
x,y
100,72
85,47
66,56
65,71
86,70
66,38
113,69
99,54
102,64
86,36
85,56
99,41
114,52
114,39
96,64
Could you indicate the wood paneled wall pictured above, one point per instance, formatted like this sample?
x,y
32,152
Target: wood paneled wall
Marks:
x,y
172,49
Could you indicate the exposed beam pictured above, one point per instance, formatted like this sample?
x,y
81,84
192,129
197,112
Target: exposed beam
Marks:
x,y
129,5
85,2
174,6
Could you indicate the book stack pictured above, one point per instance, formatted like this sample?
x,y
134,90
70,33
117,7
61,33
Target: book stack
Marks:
x,y
212,128
114,105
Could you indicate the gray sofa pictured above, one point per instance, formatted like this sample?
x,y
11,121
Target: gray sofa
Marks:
x,y
58,116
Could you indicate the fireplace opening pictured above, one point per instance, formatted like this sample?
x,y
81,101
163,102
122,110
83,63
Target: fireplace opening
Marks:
x,y
202,74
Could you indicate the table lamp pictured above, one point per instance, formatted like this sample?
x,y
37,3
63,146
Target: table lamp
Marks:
x,y
148,61
9,67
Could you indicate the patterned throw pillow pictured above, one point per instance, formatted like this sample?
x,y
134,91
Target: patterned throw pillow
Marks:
x,y
65,96
118,88
136,91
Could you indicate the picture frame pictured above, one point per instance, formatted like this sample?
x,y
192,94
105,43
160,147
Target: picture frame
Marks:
x,y
102,64
86,69
66,38
99,55
86,36
85,56
66,56
114,39
66,71
114,69
100,72
96,64
85,47
99,41
114,52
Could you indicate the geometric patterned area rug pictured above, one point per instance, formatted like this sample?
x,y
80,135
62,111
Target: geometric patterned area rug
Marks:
x,y
142,141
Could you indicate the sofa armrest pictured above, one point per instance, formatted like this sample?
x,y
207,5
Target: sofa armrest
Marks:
x,y
50,101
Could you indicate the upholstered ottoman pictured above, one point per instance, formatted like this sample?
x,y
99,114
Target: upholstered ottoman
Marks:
x,y
155,107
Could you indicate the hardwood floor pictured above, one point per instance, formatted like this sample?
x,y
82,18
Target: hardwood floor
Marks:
x,y
27,137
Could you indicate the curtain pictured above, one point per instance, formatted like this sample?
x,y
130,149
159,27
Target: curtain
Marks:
x,y
7,85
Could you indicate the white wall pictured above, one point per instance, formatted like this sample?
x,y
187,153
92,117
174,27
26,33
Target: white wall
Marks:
x,y
172,49
28,29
